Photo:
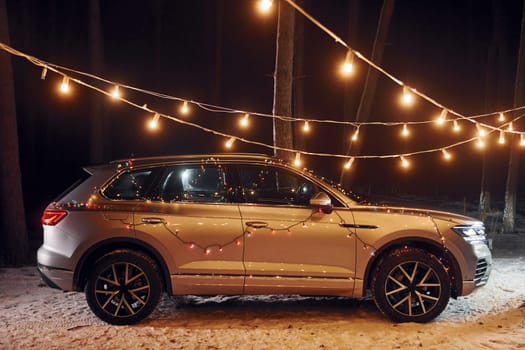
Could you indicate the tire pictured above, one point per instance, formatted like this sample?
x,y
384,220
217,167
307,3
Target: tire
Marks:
x,y
124,287
411,285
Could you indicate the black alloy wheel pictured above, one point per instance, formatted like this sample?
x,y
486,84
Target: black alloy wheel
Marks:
x,y
124,287
411,285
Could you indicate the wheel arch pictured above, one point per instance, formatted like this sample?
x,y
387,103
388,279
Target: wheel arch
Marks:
x,y
101,248
433,247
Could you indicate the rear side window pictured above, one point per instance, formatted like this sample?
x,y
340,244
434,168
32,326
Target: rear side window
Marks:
x,y
194,183
131,185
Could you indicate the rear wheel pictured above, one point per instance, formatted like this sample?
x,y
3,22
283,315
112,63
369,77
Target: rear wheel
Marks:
x,y
124,287
411,285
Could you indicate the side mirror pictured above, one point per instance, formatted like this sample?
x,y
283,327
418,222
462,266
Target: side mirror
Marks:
x,y
321,201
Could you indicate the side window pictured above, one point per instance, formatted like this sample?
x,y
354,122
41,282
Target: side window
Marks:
x,y
194,183
272,185
130,185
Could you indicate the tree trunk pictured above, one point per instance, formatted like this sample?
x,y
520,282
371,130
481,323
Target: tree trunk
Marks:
x,y
13,232
283,77
298,73
494,92
509,213
99,140
367,97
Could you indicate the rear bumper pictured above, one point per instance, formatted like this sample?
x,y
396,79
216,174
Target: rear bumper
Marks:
x,y
56,278
49,267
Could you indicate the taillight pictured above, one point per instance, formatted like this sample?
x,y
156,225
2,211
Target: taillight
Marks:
x,y
53,217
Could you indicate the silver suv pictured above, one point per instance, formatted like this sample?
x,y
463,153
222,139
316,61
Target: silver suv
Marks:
x,y
249,224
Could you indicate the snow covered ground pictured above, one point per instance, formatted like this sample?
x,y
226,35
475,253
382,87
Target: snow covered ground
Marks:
x,y
33,316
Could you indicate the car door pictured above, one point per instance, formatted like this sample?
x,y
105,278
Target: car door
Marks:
x,y
197,228
291,247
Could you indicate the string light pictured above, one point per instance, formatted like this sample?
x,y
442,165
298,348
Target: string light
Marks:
x,y
407,99
115,93
306,126
349,163
355,135
265,5
481,131
522,140
442,117
55,68
511,127
64,86
480,143
501,117
456,127
228,144
154,122
297,161
43,74
405,132
446,154
404,162
501,139
348,65
244,121
185,109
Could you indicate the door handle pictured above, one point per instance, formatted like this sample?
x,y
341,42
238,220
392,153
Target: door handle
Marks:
x,y
369,227
152,221
257,224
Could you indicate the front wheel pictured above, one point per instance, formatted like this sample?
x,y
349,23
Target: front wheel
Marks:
x,y
124,287
411,285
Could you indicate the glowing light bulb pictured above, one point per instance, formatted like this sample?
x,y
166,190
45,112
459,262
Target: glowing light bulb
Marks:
x,y
244,121
265,5
349,163
501,139
480,143
522,140
404,162
44,73
405,132
355,135
228,144
348,66
456,127
481,131
306,126
511,127
185,109
501,117
297,161
446,154
407,99
64,86
154,122
115,93
442,117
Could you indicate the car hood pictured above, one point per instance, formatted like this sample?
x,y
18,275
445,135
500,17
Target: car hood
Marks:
x,y
435,214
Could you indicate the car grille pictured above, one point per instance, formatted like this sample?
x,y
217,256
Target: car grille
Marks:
x,y
481,275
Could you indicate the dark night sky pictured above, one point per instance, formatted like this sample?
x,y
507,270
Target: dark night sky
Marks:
x,y
222,52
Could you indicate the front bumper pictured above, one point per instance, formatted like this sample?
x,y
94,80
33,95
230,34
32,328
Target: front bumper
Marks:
x,y
482,268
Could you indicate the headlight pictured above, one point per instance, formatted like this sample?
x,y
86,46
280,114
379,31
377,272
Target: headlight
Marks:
x,y
471,233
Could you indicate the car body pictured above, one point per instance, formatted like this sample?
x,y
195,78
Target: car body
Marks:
x,y
249,224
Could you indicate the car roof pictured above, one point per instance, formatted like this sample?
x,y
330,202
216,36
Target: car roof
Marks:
x,y
195,157
171,159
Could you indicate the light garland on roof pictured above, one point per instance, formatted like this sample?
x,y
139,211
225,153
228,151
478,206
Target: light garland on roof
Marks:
x,y
116,93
